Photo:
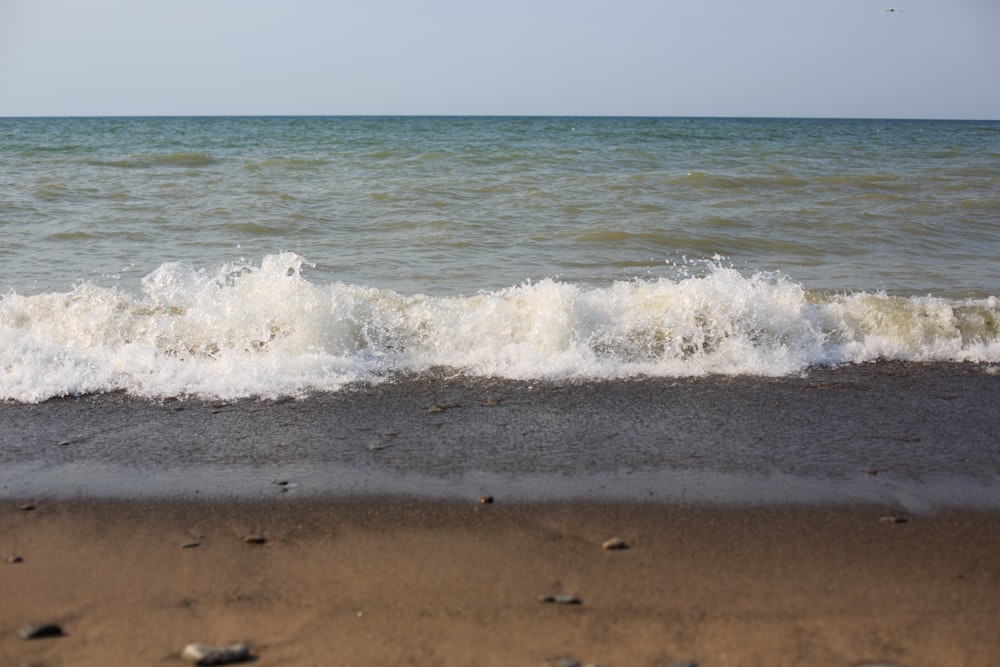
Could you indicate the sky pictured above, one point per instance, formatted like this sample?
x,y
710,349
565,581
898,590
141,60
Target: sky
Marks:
x,y
783,58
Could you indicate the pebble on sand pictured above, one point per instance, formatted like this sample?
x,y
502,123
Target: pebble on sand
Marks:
x,y
485,500
40,631
435,408
562,662
206,654
614,543
889,518
255,539
14,559
561,598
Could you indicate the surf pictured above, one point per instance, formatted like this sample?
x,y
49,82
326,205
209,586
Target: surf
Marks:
x,y
262,328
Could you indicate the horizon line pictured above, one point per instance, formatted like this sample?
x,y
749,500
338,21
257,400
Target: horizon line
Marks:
x,y
490,115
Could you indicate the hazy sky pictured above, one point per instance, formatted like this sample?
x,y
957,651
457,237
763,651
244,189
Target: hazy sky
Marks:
x,y
839,58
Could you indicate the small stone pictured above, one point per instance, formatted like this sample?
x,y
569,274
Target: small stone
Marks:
x,y
206,654
872,471
441,407
255,539
491,401
15,559
486,500
561,598
191,545
562,662
27,507
615,543
893,519
40,631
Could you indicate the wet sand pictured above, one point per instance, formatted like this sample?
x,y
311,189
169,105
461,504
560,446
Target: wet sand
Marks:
x,y
930,431
846,517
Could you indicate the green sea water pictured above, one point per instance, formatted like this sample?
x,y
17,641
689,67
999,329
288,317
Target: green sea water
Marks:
x,y
455,205
275,255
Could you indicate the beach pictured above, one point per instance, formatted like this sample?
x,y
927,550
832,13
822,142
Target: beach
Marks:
x,y
398,582
846,516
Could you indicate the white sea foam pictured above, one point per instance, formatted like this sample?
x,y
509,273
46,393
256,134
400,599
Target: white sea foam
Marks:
x,y
263,329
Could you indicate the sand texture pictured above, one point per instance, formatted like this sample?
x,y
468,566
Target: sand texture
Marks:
x,y
931,431
847,517
372,581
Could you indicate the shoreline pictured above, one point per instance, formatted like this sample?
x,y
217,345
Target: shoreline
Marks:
x,y
250,484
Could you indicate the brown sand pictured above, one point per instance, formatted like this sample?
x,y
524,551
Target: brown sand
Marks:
x,y
397,582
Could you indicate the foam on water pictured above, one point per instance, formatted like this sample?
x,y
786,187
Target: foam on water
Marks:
x,y
263,329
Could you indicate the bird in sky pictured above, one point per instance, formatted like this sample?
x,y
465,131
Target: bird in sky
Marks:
x,y
891,10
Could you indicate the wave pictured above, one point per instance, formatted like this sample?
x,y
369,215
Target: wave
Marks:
x,y
290,164
263,329
182,159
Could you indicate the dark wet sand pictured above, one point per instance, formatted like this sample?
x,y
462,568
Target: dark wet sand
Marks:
x,y
756,512
928,430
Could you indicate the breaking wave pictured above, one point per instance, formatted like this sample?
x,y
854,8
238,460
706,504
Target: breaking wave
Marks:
x,y
263,329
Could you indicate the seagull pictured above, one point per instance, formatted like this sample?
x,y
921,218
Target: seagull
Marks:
x,y
891,10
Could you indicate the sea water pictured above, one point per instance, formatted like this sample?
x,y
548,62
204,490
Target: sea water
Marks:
x,y
233,257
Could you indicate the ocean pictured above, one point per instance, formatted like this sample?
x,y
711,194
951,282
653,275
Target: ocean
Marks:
x,y
270,257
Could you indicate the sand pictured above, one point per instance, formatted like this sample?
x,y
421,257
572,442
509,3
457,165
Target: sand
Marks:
x,y
847,517
403,582
930,430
